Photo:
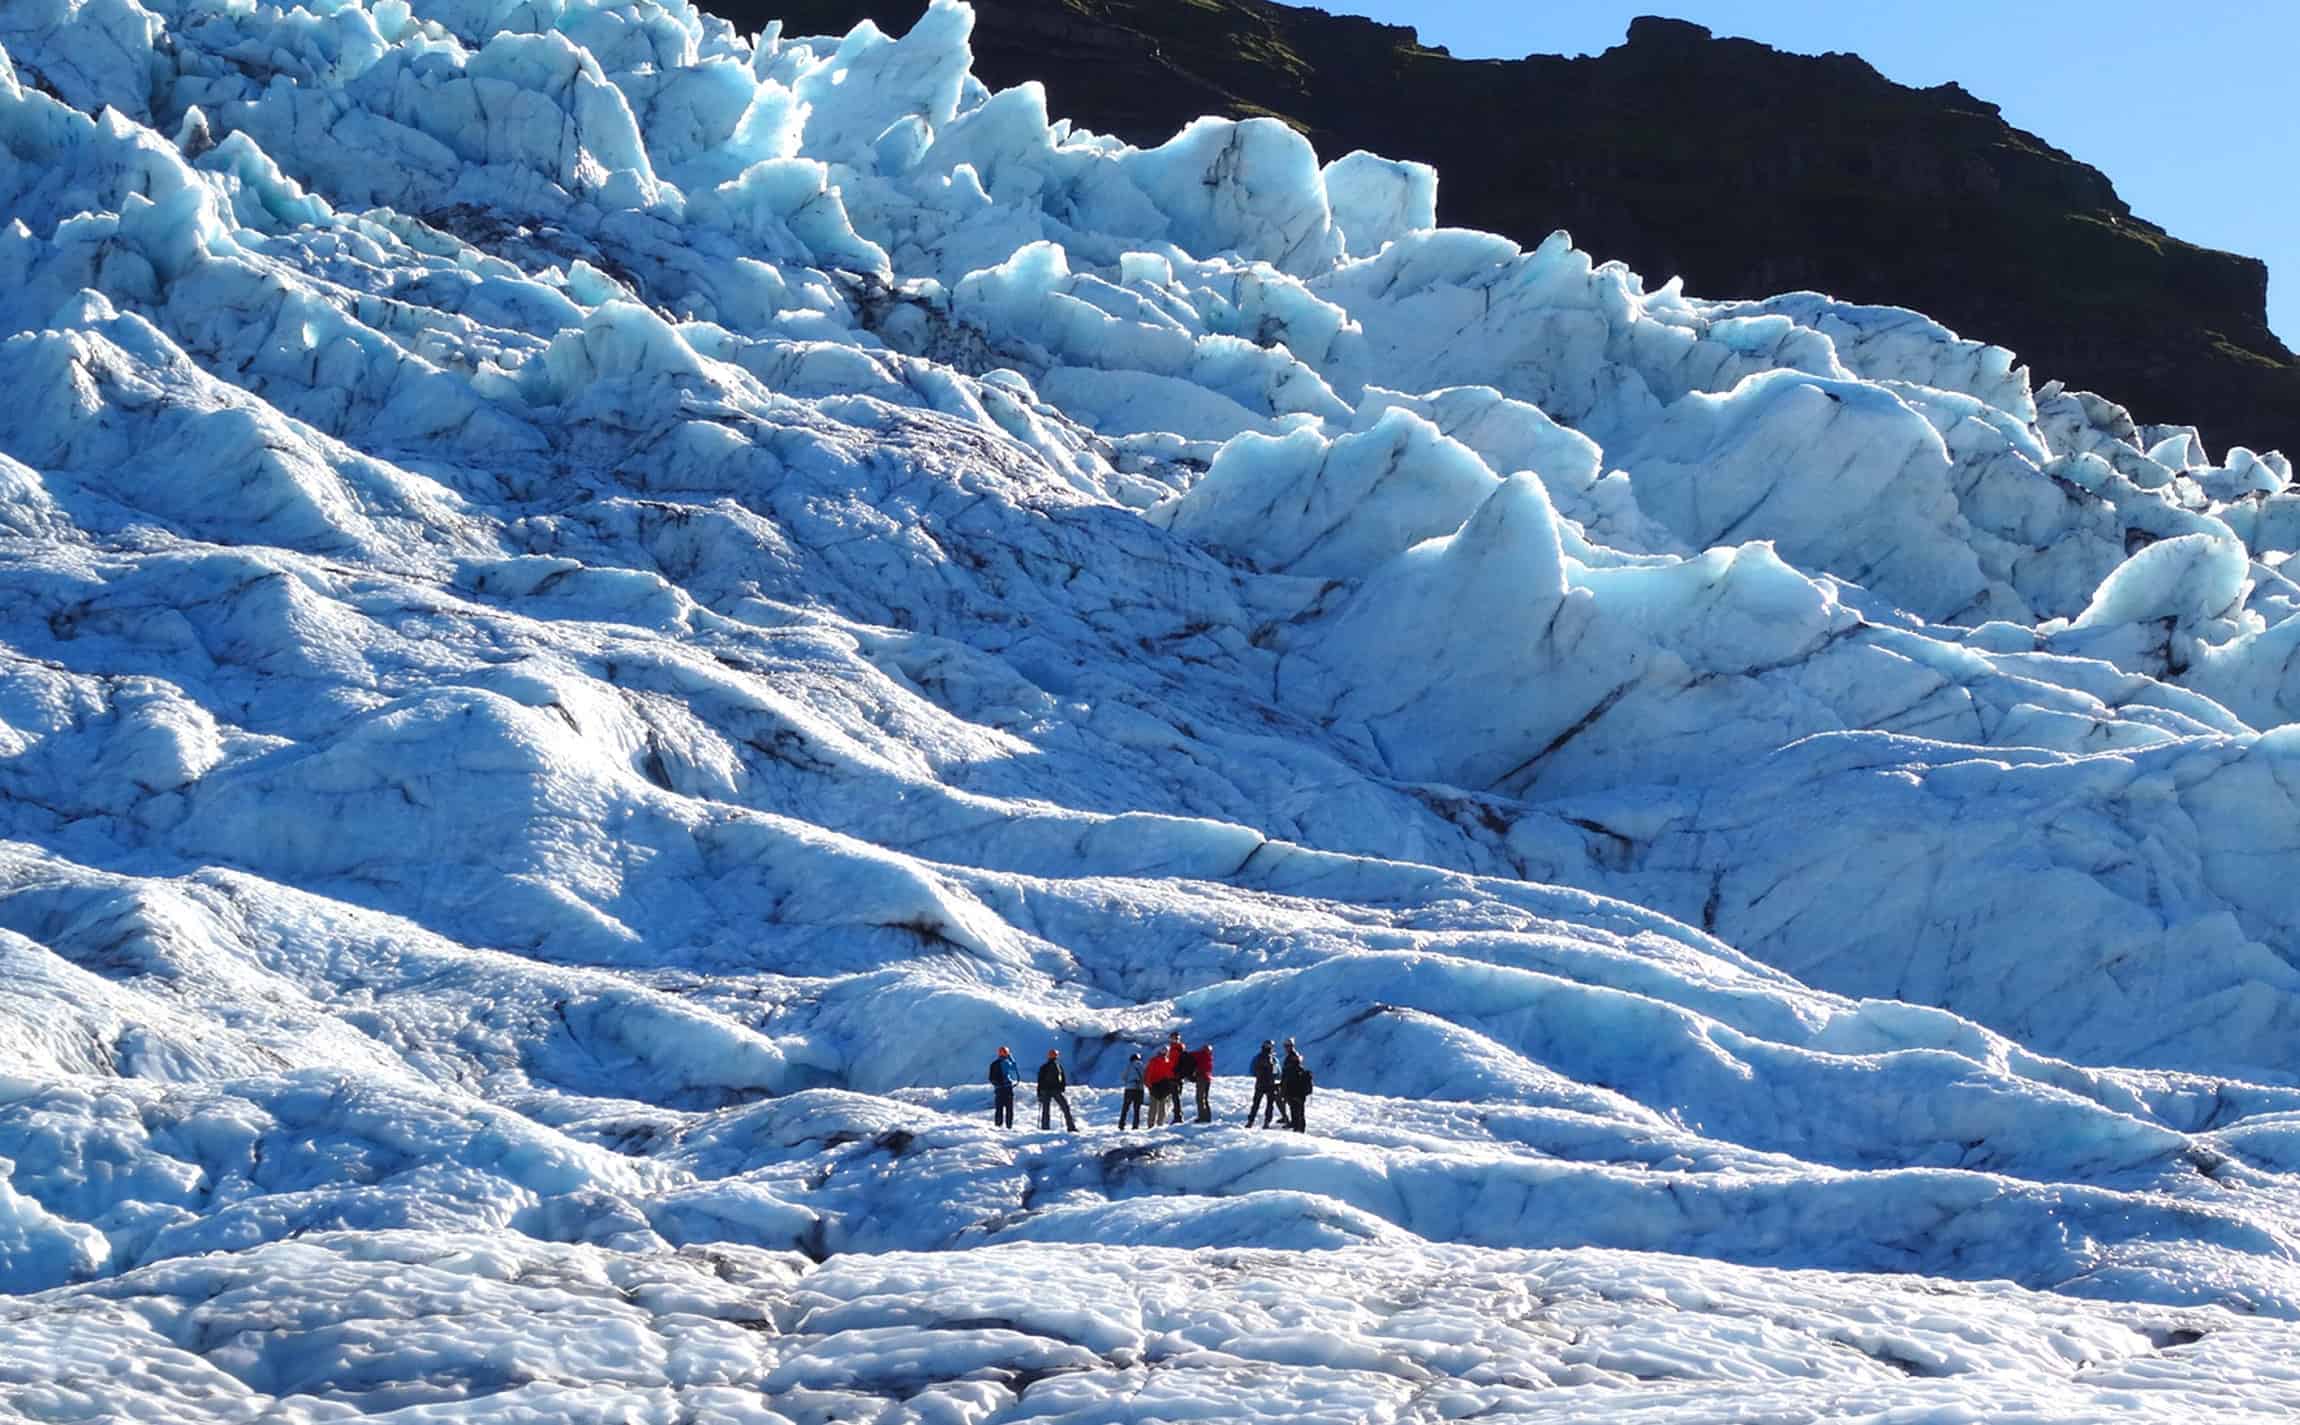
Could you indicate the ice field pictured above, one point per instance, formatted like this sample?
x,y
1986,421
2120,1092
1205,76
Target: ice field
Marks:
x,y
594,610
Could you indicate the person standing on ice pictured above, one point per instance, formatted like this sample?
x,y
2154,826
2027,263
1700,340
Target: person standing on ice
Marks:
x,y
1265,1069
1004,1075
1202,1065
1294,1080
1185,1071
1052,1086
1132,1107
1157,1078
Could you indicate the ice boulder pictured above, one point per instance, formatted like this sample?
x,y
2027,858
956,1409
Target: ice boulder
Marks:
x,y
2158,608
91,54
2192,580
1377,200
1842,477
39,1250
1300,504
1448,639
1247,186
867,83
1511,435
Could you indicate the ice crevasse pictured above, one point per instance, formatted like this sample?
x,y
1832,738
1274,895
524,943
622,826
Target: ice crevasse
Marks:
x,y
596,608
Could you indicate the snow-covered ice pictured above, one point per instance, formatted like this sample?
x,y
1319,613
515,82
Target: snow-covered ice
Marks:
x,y
596,609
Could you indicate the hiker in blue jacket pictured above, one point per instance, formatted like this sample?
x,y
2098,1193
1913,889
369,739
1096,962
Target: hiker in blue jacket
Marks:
x,y
1004,1075
1131,1106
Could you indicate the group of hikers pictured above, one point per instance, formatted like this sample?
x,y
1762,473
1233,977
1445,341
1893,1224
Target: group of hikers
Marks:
x,y
1281,1086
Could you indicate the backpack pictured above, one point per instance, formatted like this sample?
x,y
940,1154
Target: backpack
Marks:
x,y
1305,1082
997,1079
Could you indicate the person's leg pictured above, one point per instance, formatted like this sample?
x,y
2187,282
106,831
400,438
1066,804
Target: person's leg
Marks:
x,y
1045,1113
1254,1106
1297,1109
1069,1124
1205,1103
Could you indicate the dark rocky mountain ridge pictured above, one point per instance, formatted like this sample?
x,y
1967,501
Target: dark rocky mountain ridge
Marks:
x,y
1744,169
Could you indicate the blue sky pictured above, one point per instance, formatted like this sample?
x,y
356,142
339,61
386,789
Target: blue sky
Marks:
x,y
2184,104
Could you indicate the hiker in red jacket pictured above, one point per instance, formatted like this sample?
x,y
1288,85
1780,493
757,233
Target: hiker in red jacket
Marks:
x,y
1185,1066
1203,1061
1158,1078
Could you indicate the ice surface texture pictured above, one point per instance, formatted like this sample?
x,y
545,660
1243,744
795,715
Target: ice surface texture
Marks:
x,y
595,609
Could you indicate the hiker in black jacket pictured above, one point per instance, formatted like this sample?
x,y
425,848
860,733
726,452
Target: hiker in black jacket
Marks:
x,y
1265,1067
1294,1082
1051,1085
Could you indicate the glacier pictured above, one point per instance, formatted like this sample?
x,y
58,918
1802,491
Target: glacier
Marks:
x,y
598,608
